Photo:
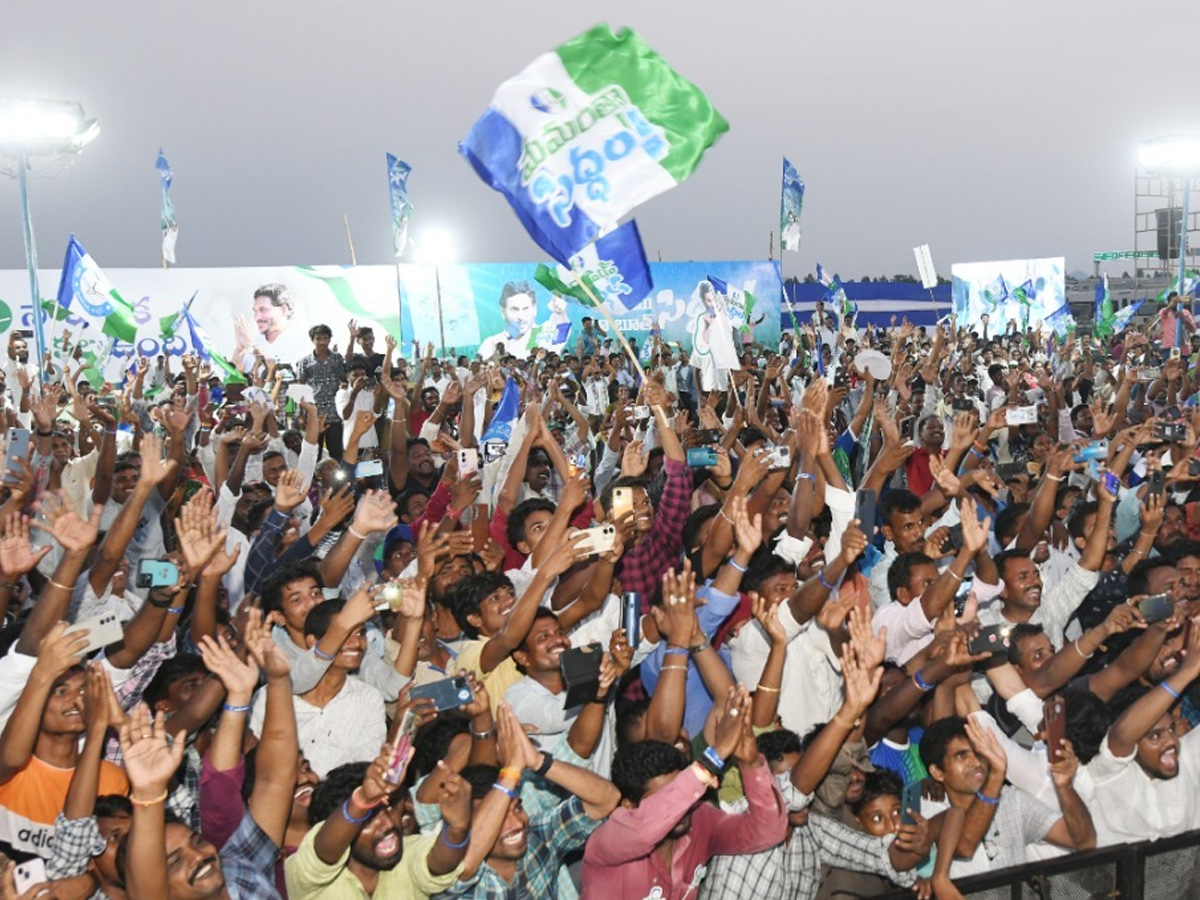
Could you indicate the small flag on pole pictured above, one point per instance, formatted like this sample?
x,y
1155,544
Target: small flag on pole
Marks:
x,y
614,268
170,229
184,325
398,171
499,431
790,204
925,267
588,131
85,291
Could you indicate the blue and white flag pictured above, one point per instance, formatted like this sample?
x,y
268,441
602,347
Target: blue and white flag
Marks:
x,y
1061,320
170,229
836,294
85,290
398,171
588,131
614,270
499,431
1125,316
790,204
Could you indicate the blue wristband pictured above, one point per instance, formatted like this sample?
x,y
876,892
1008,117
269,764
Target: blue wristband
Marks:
x,y
738,567
807,476
921,683
990,801
682,651
824,583
320,655
715,758
349,818
451,844
229,707
512,795
975,453
1170,690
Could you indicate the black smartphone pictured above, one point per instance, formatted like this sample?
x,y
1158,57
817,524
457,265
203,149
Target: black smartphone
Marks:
x,y
864,511
992,639
963,405
1008,471
954,540
447,694
580,667
1157,482
910,798
709,436
1054,717
1156,608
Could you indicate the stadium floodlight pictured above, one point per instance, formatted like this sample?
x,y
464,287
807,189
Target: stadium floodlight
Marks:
x,y
43,128
36,127
1174,154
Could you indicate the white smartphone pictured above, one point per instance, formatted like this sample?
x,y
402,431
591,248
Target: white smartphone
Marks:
x,y
301,393
641,412
468,462
599,539
369,468
1021,415
29,874
780,457
103,630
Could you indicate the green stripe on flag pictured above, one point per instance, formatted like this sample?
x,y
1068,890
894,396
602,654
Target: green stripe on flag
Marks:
x,y
344,294
599,58
550,280
120,323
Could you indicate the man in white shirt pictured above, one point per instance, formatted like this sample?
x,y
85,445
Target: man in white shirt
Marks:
x,y
920,595
363,393
1147,778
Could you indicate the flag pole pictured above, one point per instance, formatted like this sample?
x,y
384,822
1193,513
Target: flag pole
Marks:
x,y
582,283
349,240
400,307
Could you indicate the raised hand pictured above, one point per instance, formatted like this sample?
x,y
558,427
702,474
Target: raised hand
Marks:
x,y
766,613
239,677
1062,770
155,469
59,651
200,535
290,491
264,649
513,745
987,747
975,532
17,556
634,460
735,712
61,522
149,760
376,512
101,708
861,681
747,532
676,617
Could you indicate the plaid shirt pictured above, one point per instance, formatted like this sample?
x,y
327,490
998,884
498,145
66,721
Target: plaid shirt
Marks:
x,y
641,569
792,870
325,378
261,560
76,841
551,835
248,862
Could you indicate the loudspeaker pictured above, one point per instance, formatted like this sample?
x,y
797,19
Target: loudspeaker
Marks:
x,y
1170,225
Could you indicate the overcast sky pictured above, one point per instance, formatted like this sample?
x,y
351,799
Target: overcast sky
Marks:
x,y
990,131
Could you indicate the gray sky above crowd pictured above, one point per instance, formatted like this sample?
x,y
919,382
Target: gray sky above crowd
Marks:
x,y
991,131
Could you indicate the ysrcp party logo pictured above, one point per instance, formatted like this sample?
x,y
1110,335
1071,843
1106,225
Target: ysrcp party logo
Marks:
x,y
93,292
548,101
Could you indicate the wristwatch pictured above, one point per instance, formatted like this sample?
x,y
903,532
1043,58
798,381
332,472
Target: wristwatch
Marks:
x,y
699,648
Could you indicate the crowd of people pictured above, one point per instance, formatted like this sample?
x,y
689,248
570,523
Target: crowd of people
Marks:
x,y
809,628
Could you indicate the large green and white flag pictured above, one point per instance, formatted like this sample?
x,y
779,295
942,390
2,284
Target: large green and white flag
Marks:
x,y
85,291
588,131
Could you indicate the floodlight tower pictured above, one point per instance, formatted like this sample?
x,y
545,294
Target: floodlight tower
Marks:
x,y
40,128
1167,169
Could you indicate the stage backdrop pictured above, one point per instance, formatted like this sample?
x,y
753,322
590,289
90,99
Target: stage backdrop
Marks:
x,y
470,304
1022,289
